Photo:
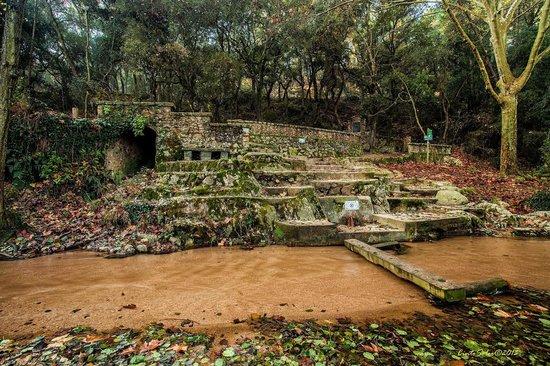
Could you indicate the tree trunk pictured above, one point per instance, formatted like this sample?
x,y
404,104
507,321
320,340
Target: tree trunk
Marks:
x,y
509,135
8,63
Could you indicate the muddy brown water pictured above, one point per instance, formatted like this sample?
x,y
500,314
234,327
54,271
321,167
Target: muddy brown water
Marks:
x,y
524,263
209,286
214,286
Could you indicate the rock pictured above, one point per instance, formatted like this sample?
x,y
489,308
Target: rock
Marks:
x,y
128,249
497,215
208,180
6,257
142,248
450,197
189,243
305,211
452,161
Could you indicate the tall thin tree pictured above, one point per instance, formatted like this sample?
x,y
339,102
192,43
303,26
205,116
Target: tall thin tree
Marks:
x,y
8,69
499,16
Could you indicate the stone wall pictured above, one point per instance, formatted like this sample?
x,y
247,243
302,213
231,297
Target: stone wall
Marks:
x,y
178,133
299,140
192,136
418,151
106,106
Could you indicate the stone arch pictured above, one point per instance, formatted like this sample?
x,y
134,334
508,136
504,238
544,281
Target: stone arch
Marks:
x,y
131,153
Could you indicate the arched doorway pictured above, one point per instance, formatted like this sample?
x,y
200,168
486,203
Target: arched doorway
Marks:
x,y
130,153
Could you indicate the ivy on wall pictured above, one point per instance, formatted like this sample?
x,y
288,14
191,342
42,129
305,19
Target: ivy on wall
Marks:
x,y
67,153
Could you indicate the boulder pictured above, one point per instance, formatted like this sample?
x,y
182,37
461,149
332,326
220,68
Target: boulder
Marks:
x,y
497,215
450,197
452,161
141,248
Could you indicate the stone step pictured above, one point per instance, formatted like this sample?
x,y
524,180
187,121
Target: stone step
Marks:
x,y
437,286
272,161
341,175
190,165
397,194
345,187
408,202
287,190
282,177
221,206
420,190
423,225
372,233
306,233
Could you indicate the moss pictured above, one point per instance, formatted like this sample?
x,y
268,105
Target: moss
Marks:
x,y
540,201
468,192
201,190
138,211
150,193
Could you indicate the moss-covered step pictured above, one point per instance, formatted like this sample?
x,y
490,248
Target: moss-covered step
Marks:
x,y
287,190
273,161
211,182
209,206
403,203
200,165
372,233
346,187
437,286
301,207
324,167
421,225
424,191
270,178
306,233
340,175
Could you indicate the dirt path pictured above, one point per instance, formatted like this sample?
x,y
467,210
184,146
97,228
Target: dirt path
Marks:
x,y
522,262
210,286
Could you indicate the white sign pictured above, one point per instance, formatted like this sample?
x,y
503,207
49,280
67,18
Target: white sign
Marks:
x,y
246,130
351,205
302,140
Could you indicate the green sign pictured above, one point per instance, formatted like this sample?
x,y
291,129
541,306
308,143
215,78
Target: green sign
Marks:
x,y
429,136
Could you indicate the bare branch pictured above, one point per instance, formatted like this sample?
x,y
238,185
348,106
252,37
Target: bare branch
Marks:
x,y
509,17
474,48
542,55
417,119
534,55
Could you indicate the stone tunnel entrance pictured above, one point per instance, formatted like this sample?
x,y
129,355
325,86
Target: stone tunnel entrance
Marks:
x,y
131,153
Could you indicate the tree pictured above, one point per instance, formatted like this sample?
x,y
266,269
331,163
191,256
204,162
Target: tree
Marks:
x,y
499,16
8,64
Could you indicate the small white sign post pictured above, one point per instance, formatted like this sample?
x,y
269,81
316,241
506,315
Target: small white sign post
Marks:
x,y
351,207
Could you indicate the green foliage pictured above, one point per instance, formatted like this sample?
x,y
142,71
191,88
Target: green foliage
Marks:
x,y
67,153
545,156
273,60
540,201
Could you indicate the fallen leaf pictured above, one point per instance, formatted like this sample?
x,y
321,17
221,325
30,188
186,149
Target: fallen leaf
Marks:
x,y
150,346
502,314
540,308
180,348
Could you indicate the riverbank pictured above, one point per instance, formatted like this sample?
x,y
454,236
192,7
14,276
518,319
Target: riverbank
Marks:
x,y
508,329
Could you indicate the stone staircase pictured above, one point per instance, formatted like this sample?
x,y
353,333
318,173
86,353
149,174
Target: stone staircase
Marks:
x,y
335,181
301,200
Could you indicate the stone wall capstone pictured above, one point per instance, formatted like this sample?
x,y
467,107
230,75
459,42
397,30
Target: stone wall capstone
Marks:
x,y
300,140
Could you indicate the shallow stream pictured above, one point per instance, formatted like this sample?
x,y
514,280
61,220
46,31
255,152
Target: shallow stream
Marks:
x,y
214,287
